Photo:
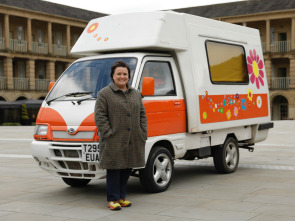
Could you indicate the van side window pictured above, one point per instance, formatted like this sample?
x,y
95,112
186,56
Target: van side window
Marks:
x,y
162,74
227,63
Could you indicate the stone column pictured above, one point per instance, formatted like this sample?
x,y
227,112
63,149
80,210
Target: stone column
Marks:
x,y
267,35
50,71
268,69
292,73
30,70
8,72
29,26
68,40
6,32
293,35
49,27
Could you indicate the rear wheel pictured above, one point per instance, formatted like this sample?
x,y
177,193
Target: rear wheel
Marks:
x,y
226,157
159,170
76,182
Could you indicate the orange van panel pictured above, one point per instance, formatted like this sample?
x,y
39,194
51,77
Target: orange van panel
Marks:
x,y
220,108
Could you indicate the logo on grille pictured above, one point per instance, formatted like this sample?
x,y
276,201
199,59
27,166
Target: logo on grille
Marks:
x,y
71,130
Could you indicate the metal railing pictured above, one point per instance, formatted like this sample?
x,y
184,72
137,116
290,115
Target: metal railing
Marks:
x,y
18,45
39,48
21,83
281,82
3,85
278,46
41,84
60,50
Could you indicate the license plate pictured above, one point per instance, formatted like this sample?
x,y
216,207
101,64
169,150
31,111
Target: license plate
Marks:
x,y
90,152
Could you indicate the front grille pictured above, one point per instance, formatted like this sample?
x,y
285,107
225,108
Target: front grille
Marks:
x,y
79,135
69,157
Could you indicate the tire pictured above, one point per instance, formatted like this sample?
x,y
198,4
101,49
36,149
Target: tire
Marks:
x,y
226,157
158,172
76,182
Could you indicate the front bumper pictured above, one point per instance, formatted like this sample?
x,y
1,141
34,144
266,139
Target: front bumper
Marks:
x,y
64,159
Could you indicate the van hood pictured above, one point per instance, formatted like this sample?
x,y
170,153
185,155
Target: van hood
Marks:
x,y
67,113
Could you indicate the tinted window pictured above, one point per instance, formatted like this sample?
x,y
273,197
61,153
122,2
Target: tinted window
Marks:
x,y
227,63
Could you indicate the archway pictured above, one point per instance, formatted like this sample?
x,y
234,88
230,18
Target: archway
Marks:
x,y
280,108
21,98
2,98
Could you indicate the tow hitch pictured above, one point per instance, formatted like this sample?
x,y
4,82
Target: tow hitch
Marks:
x,y
247,146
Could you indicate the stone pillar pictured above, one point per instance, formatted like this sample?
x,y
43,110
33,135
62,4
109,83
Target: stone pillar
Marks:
x,y
6,32
267,35
68,40
30,70
268,69
8,72
291,111
29,26
292,73
245,24
293,35
49,27
50,71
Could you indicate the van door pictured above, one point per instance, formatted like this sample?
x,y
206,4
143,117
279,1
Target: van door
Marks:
x,y
165,110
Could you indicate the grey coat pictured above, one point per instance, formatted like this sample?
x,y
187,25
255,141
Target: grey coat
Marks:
x,y
121,120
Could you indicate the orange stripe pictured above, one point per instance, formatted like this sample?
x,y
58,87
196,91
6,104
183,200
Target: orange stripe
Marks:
x,y
220,108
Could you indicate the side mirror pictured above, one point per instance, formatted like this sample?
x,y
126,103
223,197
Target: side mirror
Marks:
x,y
148,86
50,85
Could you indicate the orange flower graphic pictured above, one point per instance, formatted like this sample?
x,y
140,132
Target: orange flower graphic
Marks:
x,y
255,66
92,28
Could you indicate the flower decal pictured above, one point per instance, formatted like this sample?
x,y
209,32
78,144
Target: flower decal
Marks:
x,y
259,102
205,115
92,28
228,114
243,104
224,102
250,94
236,111
255,66
221,110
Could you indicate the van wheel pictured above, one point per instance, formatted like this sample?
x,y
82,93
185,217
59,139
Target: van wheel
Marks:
x,y
76,182
226,157
158,172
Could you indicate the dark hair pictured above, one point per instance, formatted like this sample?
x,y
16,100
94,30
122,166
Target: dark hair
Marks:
x,y
119,64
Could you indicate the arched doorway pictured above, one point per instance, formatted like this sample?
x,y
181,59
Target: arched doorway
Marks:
x,y
2,98
280,108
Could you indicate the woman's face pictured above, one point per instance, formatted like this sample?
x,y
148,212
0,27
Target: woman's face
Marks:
x,y
120,77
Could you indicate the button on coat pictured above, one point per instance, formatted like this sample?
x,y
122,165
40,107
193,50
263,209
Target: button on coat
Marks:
x,y
121,120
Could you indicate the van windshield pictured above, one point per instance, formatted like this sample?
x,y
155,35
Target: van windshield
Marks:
x,y
86,78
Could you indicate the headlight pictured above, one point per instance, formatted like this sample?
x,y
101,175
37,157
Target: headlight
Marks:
x,y
41,130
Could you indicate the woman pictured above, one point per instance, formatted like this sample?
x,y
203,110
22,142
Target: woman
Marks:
x,y
121,120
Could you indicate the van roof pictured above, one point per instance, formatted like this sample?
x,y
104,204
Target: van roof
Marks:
x,y
161,30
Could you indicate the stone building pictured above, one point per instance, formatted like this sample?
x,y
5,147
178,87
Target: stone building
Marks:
x,y
35,42
275,20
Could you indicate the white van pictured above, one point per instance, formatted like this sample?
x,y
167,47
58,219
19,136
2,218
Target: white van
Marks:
x,y
203,84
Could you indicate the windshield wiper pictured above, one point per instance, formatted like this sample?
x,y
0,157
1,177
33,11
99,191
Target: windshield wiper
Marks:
x,y
80,101
73,94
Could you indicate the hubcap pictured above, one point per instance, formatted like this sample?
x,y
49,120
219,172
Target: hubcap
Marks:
x,y
162,169
231,155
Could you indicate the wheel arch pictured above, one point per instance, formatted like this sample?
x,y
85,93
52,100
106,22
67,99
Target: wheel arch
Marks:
x,y
166,144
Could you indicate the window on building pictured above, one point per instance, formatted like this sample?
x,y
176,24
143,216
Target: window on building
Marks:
x,y
40,34
21,69
227,63
163,78
272,35
1,34
59,70
75,38
41,70
20,34
1,69
59,39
